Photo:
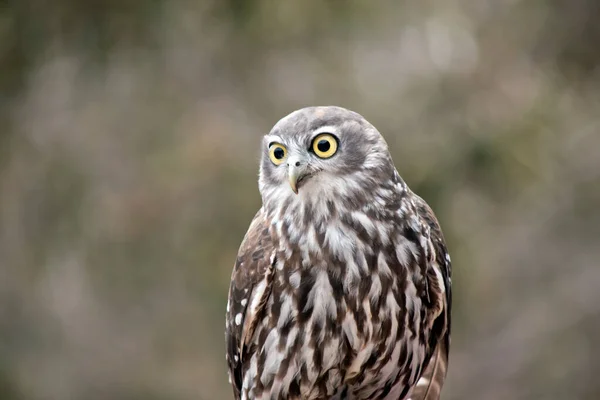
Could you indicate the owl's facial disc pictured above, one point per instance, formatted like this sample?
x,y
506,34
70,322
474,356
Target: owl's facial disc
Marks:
x,y
321,151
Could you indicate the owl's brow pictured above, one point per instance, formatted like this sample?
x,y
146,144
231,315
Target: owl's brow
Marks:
x,y
270,139
325,129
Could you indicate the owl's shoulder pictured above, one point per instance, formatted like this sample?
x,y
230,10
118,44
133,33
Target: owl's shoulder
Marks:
x,y
435,234
254,253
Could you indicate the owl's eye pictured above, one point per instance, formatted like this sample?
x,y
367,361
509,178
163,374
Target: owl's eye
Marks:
x,y
277,153
325,145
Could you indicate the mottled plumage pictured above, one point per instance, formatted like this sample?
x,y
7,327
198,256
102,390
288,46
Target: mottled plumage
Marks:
x,y
341,288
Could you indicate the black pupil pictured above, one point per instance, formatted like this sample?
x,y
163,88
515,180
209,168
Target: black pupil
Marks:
x,y
323,145
278,153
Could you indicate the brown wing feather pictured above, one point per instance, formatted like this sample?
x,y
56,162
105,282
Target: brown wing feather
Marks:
x,y
430,384
248,294
439,274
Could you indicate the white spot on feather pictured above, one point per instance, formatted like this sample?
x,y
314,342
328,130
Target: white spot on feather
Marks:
x,y
392,307
257,295
367,309
404,249
321,300
411,296
274,357
238,318
382,265
375,291
350,330
440,278
286,312
295,280
383,229
312,242
340,241
352,275
422,382
249,378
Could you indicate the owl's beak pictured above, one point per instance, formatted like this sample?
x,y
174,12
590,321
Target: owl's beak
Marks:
x,y
296,171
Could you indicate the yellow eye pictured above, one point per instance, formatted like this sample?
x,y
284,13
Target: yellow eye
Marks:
x,y
325,145
277,153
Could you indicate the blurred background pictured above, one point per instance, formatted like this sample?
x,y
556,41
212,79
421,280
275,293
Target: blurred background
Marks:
x,y
129,147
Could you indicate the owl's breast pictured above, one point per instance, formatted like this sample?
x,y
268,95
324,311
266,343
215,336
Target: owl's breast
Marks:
x,y
328,331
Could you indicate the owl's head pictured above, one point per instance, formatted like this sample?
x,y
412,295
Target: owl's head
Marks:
x,y
322,151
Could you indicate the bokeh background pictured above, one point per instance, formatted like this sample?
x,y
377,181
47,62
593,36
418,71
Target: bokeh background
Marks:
x,y
129,147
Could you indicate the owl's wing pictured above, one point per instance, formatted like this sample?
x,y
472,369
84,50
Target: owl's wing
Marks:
x,y
250,288
429,385
439,273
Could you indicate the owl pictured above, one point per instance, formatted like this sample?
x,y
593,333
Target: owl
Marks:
x,y
342,285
